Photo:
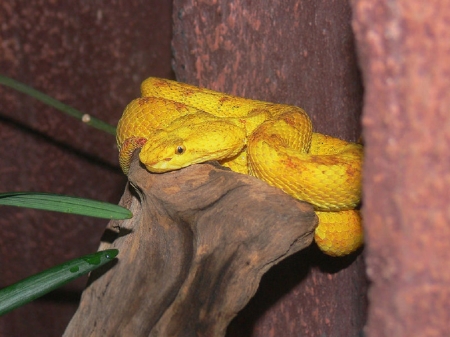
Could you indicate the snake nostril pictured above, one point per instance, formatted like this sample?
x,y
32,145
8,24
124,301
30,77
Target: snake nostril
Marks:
x,y
167,159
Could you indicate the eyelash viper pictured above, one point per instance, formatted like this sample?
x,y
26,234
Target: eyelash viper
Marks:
x,y
177,125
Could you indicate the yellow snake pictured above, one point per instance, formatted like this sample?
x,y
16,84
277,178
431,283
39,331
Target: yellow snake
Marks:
x,y
177,125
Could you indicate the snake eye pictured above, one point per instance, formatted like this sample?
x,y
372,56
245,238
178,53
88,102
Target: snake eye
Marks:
x,y
180,149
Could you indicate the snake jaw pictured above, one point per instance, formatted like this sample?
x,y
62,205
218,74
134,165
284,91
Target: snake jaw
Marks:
x,y
178,161
192,144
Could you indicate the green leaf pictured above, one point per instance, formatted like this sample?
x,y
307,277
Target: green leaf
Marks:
x,y
67,109
39,284
65,204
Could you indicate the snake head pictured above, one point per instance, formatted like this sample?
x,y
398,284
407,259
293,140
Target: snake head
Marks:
x,y
171,150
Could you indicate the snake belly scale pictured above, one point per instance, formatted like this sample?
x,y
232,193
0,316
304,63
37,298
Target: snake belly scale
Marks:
x,y
177,125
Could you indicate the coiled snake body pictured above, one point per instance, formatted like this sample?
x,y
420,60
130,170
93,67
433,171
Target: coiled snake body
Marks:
x,y
177,125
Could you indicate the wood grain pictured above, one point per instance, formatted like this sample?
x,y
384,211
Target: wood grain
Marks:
x,y
193,254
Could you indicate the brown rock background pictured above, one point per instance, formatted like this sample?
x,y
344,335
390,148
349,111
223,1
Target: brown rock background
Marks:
x,y
300,53
404,49
91,55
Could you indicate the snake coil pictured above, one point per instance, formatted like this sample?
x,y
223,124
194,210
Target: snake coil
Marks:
x,y
177,125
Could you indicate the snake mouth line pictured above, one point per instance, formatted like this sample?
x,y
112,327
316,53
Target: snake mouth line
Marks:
x,y
165,165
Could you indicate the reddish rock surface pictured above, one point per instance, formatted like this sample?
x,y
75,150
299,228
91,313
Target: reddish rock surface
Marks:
x,y
404,49
293,52
93,56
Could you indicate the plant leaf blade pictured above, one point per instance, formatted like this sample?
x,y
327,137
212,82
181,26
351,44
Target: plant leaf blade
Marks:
x,y
41,283
65,204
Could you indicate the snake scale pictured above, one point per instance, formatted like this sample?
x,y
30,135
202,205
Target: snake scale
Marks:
x,y
177,125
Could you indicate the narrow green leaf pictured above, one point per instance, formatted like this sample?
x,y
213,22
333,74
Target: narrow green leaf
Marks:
x,y
39,284
65,204
67,109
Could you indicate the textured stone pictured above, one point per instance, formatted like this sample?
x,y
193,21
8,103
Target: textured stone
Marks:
x,y
91,55
404,48
296,52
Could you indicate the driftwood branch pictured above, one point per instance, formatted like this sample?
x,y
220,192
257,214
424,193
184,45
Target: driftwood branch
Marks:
x,y
193,254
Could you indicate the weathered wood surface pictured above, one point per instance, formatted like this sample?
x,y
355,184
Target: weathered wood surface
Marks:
x,y
193,254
